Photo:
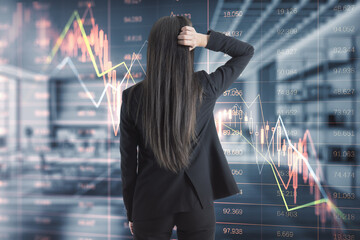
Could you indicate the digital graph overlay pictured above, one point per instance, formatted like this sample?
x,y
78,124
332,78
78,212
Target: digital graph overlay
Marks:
x,y
71,41
274,148
277,150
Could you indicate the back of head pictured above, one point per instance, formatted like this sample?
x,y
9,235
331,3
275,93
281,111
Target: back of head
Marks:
x,y
162,42
170,95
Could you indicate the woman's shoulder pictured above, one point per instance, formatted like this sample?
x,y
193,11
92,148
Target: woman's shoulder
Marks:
x,y
132,91
132,88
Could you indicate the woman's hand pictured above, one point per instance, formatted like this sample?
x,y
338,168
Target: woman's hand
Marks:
x,y
131,227
189,37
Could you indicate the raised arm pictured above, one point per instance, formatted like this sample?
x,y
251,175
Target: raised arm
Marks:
x,y
240,52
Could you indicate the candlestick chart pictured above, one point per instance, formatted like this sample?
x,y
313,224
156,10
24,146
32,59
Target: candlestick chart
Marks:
x,y
273,146
71,41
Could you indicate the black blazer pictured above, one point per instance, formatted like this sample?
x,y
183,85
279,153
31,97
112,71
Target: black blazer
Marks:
x,y
150,191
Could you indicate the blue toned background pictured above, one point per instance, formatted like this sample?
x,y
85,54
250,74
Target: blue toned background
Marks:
x,y
289,125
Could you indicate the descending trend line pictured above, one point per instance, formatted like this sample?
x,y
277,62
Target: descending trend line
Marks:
x,y
248,106
302,156
99,42
296,159
54,50
325,198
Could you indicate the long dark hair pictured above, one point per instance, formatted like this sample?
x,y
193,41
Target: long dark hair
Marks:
x,y
170,94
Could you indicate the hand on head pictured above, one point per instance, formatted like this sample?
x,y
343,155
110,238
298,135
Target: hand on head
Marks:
x,y
189,37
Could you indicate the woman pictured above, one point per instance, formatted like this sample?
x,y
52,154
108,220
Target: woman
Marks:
x,y
172,162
